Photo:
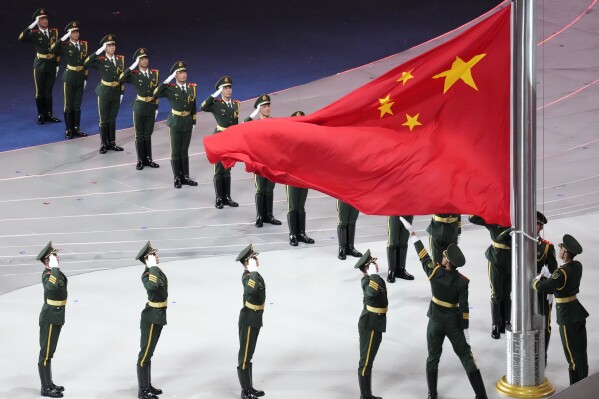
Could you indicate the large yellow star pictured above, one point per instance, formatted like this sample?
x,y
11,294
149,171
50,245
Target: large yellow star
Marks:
x,y
412,121
460,70
386,104
405,76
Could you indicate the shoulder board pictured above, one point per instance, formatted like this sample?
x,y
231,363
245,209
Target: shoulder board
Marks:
x,y
54,29
546,242
120,56
66,43
154,70
34,30
172,84
83,41
192,84
101,57
236,102
134,71
218,100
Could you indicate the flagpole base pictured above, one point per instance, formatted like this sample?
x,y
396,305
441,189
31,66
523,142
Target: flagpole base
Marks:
x,y
544,390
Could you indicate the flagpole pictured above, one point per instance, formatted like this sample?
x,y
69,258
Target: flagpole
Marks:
x,y
525,339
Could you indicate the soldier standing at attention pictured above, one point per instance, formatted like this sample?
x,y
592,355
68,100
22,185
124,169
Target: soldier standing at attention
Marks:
x,y
226,113
346,230
448,314
250,319
74,52
444,229
51,318
182,97
153,318
397,248
564,283
373,321
264,187
145,106
45,64
109,90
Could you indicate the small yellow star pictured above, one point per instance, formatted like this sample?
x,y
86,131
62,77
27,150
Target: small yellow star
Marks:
x,y
412,121
386,104
460,70
405,76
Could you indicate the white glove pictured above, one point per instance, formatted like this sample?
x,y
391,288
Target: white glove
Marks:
x,y
171,77
121,100
101,49
467,335
34,23
253,115
217,93
550,298
53,261
252,265
57,68
545,272
84,84
372,269
406,224
66,36
151,261
155,114
132,67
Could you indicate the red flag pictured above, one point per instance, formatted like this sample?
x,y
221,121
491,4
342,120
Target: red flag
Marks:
x,y
430,136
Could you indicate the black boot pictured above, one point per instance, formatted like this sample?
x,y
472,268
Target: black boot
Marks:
x,y
176,172
431,381
391,263
256,392
351,234
301,229
48,111
495,319
402,253
476,380
57,387
148,161
506,315
39,103
366,387
46,382
140,148
259,210
342,238
244,381
104,139
155,391
573,377
143,382
269,218
227,192
112,131
218,190
185,169
292,222
76,126
68,121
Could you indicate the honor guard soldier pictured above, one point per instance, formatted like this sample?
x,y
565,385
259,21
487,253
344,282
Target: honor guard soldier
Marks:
x,y
264,187
444,229
499,255
226,113
296,210
250,319
448,314
545,257
51,318
373,321
397,248
74,52
153,318
109,90
564,284
182,97
346,230
45,64
145,106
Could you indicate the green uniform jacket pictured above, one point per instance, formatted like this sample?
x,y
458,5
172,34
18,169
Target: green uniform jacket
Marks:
x,y
254,292
565,283
500,235
55,289
108,72
449,287
225,116
445,231
144,87
546,255
156,284
42,46
74,58
180,103
375,295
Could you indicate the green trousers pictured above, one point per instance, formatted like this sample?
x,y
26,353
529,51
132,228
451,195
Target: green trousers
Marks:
x,y
396,232
435,335
248,336
150,333
49,334
108,108
180,141
263,185
44,83
296,199
347,214
73,95
500,279
144,126
574,342
369,346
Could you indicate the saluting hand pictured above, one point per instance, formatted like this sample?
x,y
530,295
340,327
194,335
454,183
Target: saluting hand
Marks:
x,y
170,77
217,93
66,36
101,49
253,115
53,261
151,261
34,22
132,67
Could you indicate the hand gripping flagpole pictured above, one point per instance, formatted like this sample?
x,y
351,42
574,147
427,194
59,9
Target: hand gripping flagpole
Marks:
x,y
525,339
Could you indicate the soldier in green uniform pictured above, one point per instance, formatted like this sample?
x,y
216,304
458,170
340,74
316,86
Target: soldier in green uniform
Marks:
x,y
45,64
153,318
444,229
296,210
448,314
74,52
182,97
51,318
499,255
564,284
346,230
397,248
145,106
250,319
226,113
373,321
264,187
109,90
545,258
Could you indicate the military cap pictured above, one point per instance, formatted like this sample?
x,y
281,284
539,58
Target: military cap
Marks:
x,y
224,81
454,255
145,251
40,12
140,52
179,66
47,251
298,113
570,244
365,260
245,254
108,39
541,218
73,25
263,99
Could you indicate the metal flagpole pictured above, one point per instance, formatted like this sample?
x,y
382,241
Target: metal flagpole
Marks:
x,y
525,365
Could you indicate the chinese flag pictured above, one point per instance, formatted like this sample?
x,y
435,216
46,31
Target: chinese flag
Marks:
x,y
430,136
